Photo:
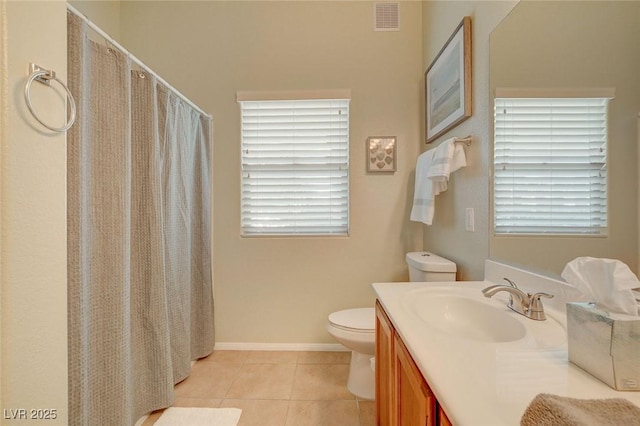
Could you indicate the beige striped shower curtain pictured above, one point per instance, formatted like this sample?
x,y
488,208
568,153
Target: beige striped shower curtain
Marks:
x,y
139,258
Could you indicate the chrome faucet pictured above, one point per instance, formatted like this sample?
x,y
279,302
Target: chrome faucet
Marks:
x,y
523,303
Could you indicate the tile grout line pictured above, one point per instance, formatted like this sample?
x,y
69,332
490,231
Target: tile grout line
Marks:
x,y
235,377
359,412
295,371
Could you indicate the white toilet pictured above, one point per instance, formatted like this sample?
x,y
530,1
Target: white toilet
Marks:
x,y
356,328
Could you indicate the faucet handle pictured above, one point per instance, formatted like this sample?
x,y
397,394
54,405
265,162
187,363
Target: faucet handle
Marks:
x,y
535,303
537,296
511,283
536,310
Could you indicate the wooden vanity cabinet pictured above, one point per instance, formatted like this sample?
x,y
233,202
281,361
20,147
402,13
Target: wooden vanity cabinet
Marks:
x,y
443,420
403,397
415,404
385,376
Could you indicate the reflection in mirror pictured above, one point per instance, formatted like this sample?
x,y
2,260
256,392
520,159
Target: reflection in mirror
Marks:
x,y
577,45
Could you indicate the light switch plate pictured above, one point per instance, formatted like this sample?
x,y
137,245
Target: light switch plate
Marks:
x,y
469,220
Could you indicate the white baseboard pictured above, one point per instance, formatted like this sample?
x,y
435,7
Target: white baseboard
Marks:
x,y
244,346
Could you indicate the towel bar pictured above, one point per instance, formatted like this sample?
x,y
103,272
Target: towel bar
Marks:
x,y
466,140
45,76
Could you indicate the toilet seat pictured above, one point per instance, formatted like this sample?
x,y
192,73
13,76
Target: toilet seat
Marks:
x,y
359,320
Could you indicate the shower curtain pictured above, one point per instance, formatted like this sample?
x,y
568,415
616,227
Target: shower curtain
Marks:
x,y
139,263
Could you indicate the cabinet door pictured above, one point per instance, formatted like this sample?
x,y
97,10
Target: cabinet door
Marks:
x,y
415,404
384,369
443,420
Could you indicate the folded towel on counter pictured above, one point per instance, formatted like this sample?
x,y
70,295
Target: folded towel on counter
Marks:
x,y
554,410
432,174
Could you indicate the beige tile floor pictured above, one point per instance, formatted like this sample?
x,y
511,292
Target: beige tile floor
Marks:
x,y
275,388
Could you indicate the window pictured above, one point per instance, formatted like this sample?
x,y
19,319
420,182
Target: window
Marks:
x,y
550,174
295,167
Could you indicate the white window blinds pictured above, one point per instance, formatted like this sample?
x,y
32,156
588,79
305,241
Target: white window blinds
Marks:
x,y
550,172
295,167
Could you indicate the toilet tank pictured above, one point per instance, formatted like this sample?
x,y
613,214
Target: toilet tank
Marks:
x,y
425,266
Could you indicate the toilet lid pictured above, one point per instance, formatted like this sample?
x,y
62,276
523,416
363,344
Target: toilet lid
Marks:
x,y
362,319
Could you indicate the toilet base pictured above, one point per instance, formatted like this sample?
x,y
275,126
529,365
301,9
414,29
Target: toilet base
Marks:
x,y
361,382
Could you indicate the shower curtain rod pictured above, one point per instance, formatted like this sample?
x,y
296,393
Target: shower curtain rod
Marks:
x,y
117,45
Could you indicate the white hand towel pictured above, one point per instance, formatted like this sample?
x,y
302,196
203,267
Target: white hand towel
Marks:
x,y
448,158
439,169
459,159
432,175
424,192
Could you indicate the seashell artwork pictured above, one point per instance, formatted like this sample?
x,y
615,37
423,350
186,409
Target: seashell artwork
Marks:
x,y
381,152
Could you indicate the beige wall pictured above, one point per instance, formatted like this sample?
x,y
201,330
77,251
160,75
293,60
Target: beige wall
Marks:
x,y
469,187
574,45
280,290
33,218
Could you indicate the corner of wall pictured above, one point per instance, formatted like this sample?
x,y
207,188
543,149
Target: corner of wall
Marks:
x,y
469,186
105,14
3,130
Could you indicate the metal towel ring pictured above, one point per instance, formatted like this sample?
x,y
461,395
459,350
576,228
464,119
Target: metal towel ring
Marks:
x,y
45,76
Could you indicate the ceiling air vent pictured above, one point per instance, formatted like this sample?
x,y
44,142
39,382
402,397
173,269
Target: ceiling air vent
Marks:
x,y
386,16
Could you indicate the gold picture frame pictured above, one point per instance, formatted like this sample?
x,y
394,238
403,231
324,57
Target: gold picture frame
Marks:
x,y
381,154
448,83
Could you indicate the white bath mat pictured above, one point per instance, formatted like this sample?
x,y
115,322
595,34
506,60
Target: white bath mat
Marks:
x,y
179,416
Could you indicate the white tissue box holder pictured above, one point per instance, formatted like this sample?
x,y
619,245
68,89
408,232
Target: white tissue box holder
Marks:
x,y
606,348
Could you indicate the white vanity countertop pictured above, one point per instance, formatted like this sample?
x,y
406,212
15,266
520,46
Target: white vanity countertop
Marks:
x,y
481,383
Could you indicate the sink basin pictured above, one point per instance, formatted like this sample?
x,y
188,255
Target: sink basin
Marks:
x,y
464,317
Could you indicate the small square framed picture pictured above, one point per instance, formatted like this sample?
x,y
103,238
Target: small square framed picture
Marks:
x,y
381,154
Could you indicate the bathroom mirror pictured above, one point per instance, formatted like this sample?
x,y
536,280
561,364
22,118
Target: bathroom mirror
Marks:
x,y
577,45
